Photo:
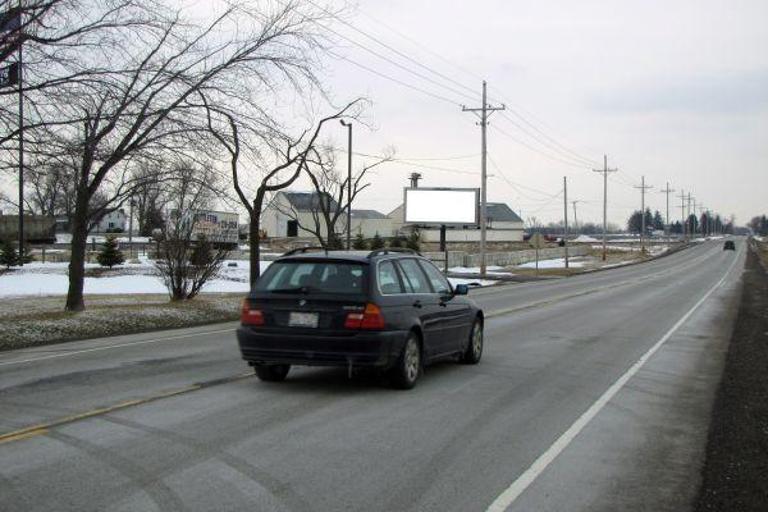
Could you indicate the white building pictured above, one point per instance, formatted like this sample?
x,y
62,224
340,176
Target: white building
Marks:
x,y
297,214
503,225
113,222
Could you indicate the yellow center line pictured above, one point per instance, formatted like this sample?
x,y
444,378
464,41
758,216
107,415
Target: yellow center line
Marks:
x,y
42,428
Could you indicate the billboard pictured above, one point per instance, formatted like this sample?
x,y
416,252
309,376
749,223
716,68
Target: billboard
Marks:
x,y
221,227
441,206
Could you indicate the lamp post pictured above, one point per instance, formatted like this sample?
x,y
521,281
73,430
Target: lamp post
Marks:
x,y
130,229
349,182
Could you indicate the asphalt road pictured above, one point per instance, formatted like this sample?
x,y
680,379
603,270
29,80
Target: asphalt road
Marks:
x,y
594,393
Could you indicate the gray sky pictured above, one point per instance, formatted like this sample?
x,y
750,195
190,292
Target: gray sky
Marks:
x,y
677,91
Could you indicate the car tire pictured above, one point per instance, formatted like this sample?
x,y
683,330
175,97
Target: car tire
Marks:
x,y
408,367
272,372
474,350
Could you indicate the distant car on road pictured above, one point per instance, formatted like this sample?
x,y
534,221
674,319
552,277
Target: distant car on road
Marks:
x,y
387,309
729,245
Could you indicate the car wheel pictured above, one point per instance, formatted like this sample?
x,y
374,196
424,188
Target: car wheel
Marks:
x,y
408,368
272,372
474,350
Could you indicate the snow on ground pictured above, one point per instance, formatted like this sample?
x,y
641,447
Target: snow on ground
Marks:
x,y
476,270
625,248
471,282
555,263
44,279
38,279
585,238
66,238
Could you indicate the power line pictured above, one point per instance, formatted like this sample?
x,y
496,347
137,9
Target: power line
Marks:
x,y
396,80
392,49
553,144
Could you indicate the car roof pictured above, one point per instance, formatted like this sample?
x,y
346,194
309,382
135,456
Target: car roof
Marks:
x,y
353,256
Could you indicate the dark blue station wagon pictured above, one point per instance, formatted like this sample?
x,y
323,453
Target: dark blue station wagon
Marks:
x,y
388,309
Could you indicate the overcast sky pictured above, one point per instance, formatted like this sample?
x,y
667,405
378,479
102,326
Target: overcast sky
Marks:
x,y
676,91
673,90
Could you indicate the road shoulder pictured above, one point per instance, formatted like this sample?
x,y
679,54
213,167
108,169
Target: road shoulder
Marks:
x,y
736,468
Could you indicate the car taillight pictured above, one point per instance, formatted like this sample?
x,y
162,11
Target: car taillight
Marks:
x,y
370,318
250,316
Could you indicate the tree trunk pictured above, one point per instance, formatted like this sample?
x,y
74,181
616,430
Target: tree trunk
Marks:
x,y
79,229
254,237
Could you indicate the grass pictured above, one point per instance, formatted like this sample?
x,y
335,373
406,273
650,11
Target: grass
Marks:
x,y
762,251
34,321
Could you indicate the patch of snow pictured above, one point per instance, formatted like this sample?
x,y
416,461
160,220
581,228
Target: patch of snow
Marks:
x,y
471,282
585,238
555,263
476,270
38,279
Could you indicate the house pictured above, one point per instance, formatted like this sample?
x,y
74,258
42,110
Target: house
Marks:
x,y
502,225
113,222
294,214
371,222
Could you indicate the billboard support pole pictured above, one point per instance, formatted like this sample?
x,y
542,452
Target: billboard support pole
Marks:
x,y
484,111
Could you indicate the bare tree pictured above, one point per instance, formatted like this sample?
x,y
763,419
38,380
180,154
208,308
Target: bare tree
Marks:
x,y
272,169
187,259
333,191
122,88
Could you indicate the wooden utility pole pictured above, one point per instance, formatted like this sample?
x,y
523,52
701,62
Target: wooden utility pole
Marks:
x,y
483,113
667,229
643,187
605,170
565,216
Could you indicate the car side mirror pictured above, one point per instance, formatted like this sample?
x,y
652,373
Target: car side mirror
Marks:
x,y
461,289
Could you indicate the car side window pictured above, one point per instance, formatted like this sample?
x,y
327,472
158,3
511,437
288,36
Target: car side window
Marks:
x,y
389,282
439,283
414,279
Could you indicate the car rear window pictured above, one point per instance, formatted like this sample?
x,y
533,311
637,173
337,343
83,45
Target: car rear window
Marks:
x,y
313,276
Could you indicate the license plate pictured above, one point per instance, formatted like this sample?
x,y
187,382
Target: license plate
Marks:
x,y
296,319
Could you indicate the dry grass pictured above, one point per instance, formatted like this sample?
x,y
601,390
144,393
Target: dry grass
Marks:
x,y
762,251
31,321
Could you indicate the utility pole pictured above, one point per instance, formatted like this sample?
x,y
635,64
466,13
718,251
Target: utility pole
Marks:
x,y
605,170
688,217
695,222
684,225
565,216
349,182
667,225
575,218
643,187
483,113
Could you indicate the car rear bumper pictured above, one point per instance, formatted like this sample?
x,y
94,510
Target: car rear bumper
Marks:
x,y
379,349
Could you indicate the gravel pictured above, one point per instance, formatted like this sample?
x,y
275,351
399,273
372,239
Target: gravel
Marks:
x,y
735,475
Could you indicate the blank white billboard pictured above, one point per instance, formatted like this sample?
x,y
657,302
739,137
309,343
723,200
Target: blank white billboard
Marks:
x,y
441,206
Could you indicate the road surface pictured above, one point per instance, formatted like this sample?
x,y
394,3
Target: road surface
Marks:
x,y
594,393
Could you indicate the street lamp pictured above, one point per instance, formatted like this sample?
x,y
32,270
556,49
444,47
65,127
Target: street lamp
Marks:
x,y
349,182
130,229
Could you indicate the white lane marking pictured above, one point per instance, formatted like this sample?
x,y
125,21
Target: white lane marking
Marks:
x,y
121,345
511,493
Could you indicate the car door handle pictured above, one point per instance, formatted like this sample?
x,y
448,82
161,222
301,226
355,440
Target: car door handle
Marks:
x,y
417,304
